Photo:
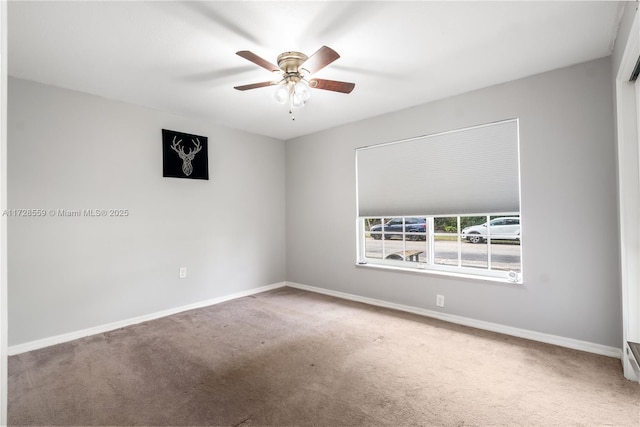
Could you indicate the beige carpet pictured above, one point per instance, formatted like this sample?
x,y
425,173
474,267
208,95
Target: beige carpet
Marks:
x,y
289,357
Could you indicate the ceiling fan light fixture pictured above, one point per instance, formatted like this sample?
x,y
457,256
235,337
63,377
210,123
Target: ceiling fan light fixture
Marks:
x,y
301,90
296,100
281,94
295,91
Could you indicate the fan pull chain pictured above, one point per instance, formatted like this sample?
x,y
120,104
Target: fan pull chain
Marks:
x,y
291,106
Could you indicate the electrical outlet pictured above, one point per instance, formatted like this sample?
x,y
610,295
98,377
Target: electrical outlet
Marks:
x,y
440,300
183,272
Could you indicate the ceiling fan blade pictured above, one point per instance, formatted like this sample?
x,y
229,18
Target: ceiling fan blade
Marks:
x,y
332,85
323,57
255,85
257,60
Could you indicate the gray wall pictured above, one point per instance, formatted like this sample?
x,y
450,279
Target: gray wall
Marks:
x,y
570,248
70,150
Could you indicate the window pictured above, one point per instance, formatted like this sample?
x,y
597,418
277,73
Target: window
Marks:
x,y
435,243
446,203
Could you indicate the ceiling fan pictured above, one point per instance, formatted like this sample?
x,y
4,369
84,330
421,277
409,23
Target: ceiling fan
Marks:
x,y
295,69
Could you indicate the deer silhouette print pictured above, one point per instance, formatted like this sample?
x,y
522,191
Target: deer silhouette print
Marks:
x,y
187,167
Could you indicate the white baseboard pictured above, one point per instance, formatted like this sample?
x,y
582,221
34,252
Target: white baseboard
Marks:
x,y
488,326
59,339
494,327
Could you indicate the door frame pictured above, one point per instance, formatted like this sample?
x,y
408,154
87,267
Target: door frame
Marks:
x,y
628,148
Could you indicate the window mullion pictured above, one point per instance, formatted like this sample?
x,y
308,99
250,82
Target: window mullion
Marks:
x,y
459,241
384,239
404,236
489,266
431,241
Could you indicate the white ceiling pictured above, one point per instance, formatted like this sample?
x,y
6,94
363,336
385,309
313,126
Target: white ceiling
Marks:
x,y
180,57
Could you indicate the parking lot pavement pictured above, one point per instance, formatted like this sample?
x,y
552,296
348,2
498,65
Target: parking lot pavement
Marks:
x,y
504,256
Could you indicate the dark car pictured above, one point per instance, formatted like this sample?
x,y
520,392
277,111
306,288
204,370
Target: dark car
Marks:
x,y
394,228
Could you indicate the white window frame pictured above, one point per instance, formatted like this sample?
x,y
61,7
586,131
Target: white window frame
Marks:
x,y
429,265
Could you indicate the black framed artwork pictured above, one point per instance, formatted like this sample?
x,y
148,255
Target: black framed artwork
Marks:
x,y
184,155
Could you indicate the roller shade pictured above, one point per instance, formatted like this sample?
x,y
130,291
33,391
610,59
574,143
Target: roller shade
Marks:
x,y
468,171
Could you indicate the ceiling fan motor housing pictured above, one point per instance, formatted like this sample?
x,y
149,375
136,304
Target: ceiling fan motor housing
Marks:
x,y
290,62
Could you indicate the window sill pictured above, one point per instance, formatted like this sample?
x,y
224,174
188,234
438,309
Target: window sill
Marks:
x,y
452,274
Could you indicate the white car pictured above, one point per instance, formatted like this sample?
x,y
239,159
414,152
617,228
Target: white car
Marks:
x,y
504,228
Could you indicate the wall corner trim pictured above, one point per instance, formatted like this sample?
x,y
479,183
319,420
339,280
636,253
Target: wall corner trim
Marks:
x,y
574,344
59,339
